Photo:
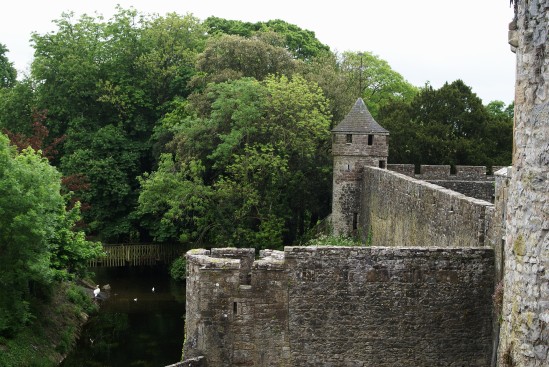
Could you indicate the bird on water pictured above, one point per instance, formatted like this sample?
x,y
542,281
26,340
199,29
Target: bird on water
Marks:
x,y
96,291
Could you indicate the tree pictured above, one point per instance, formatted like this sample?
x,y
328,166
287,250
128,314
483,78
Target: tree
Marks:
x,y
230,57
500,132
248,161
109,162
301,43
449,125
37,140
172,44
119,76
341,77
37,242
17,105
8,74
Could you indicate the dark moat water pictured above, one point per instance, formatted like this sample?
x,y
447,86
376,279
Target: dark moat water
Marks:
x,y
135,326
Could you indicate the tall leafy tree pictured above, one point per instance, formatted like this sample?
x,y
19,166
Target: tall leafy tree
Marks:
x,y
17,105
345,77
109,161
8,74
449,125
500,132
37,241
247,160
172,44
230,57
301,43
118,76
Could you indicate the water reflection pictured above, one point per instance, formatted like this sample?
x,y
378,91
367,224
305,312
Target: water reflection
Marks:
x,y
135,326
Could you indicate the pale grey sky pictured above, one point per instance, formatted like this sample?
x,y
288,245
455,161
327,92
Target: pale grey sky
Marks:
x,y
424,40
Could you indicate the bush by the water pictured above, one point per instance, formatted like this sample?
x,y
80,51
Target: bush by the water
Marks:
x,y
178,268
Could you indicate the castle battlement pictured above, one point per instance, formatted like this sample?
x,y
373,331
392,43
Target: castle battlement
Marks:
x,y
205,261
444,172
343,306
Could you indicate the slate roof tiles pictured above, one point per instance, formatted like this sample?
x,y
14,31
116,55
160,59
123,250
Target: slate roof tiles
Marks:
x,y
359,120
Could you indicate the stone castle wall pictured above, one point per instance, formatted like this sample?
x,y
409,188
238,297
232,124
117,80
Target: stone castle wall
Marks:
x,y
359,146
525,328
237,311
347,191
398,210
349,160
342,306
473,181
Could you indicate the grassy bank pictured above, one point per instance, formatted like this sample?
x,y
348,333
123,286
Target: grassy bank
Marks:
x,y
51,335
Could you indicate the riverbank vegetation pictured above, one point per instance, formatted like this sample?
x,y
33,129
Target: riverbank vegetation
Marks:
x,y
52,333
41,254
175,129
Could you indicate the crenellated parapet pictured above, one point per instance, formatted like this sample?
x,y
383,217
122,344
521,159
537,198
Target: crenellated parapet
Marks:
x,y
399,210
429,172
236,310
474,181
341,306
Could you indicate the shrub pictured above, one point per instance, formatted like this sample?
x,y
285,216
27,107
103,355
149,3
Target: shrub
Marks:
x,y
178,268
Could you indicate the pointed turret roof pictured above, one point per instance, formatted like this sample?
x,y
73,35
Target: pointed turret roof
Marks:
x,y
359,120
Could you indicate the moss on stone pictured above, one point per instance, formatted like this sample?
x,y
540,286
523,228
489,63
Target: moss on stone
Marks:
x,y
519,247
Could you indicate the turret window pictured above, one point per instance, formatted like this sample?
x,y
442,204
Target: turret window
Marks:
x,y
349,138
370,139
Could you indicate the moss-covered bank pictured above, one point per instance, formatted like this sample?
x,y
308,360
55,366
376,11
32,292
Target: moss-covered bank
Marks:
x,y
49,337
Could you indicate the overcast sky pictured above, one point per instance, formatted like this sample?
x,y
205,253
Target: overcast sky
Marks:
x,y
424,40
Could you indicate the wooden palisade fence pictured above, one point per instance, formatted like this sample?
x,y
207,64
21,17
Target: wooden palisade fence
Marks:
x,y
137,254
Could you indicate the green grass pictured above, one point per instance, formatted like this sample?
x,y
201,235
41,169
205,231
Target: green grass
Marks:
x,y
52,334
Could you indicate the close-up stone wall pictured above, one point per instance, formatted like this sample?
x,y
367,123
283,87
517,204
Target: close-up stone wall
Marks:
x,y
362,306
341,306
211,287
524,333
397,210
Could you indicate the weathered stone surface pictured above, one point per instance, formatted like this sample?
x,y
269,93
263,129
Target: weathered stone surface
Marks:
x,y
344,306
358,141
398,210
471,181
524,337
192,362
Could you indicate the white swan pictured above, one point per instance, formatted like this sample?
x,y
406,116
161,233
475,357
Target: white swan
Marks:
x,y
96,291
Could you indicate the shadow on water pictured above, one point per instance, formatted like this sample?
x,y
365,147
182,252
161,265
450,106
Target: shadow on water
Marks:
x,y
135,326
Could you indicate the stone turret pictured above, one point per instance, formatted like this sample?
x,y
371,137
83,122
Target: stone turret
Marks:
x,y
357,141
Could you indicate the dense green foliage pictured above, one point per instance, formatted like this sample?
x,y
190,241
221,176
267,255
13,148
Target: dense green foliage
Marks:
x,y
53,333
236,174
38,246
301,43
8,74
178,269
169,128
449,125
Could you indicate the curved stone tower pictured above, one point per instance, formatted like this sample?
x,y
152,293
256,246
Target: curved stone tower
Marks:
x,y
524,336
357,141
